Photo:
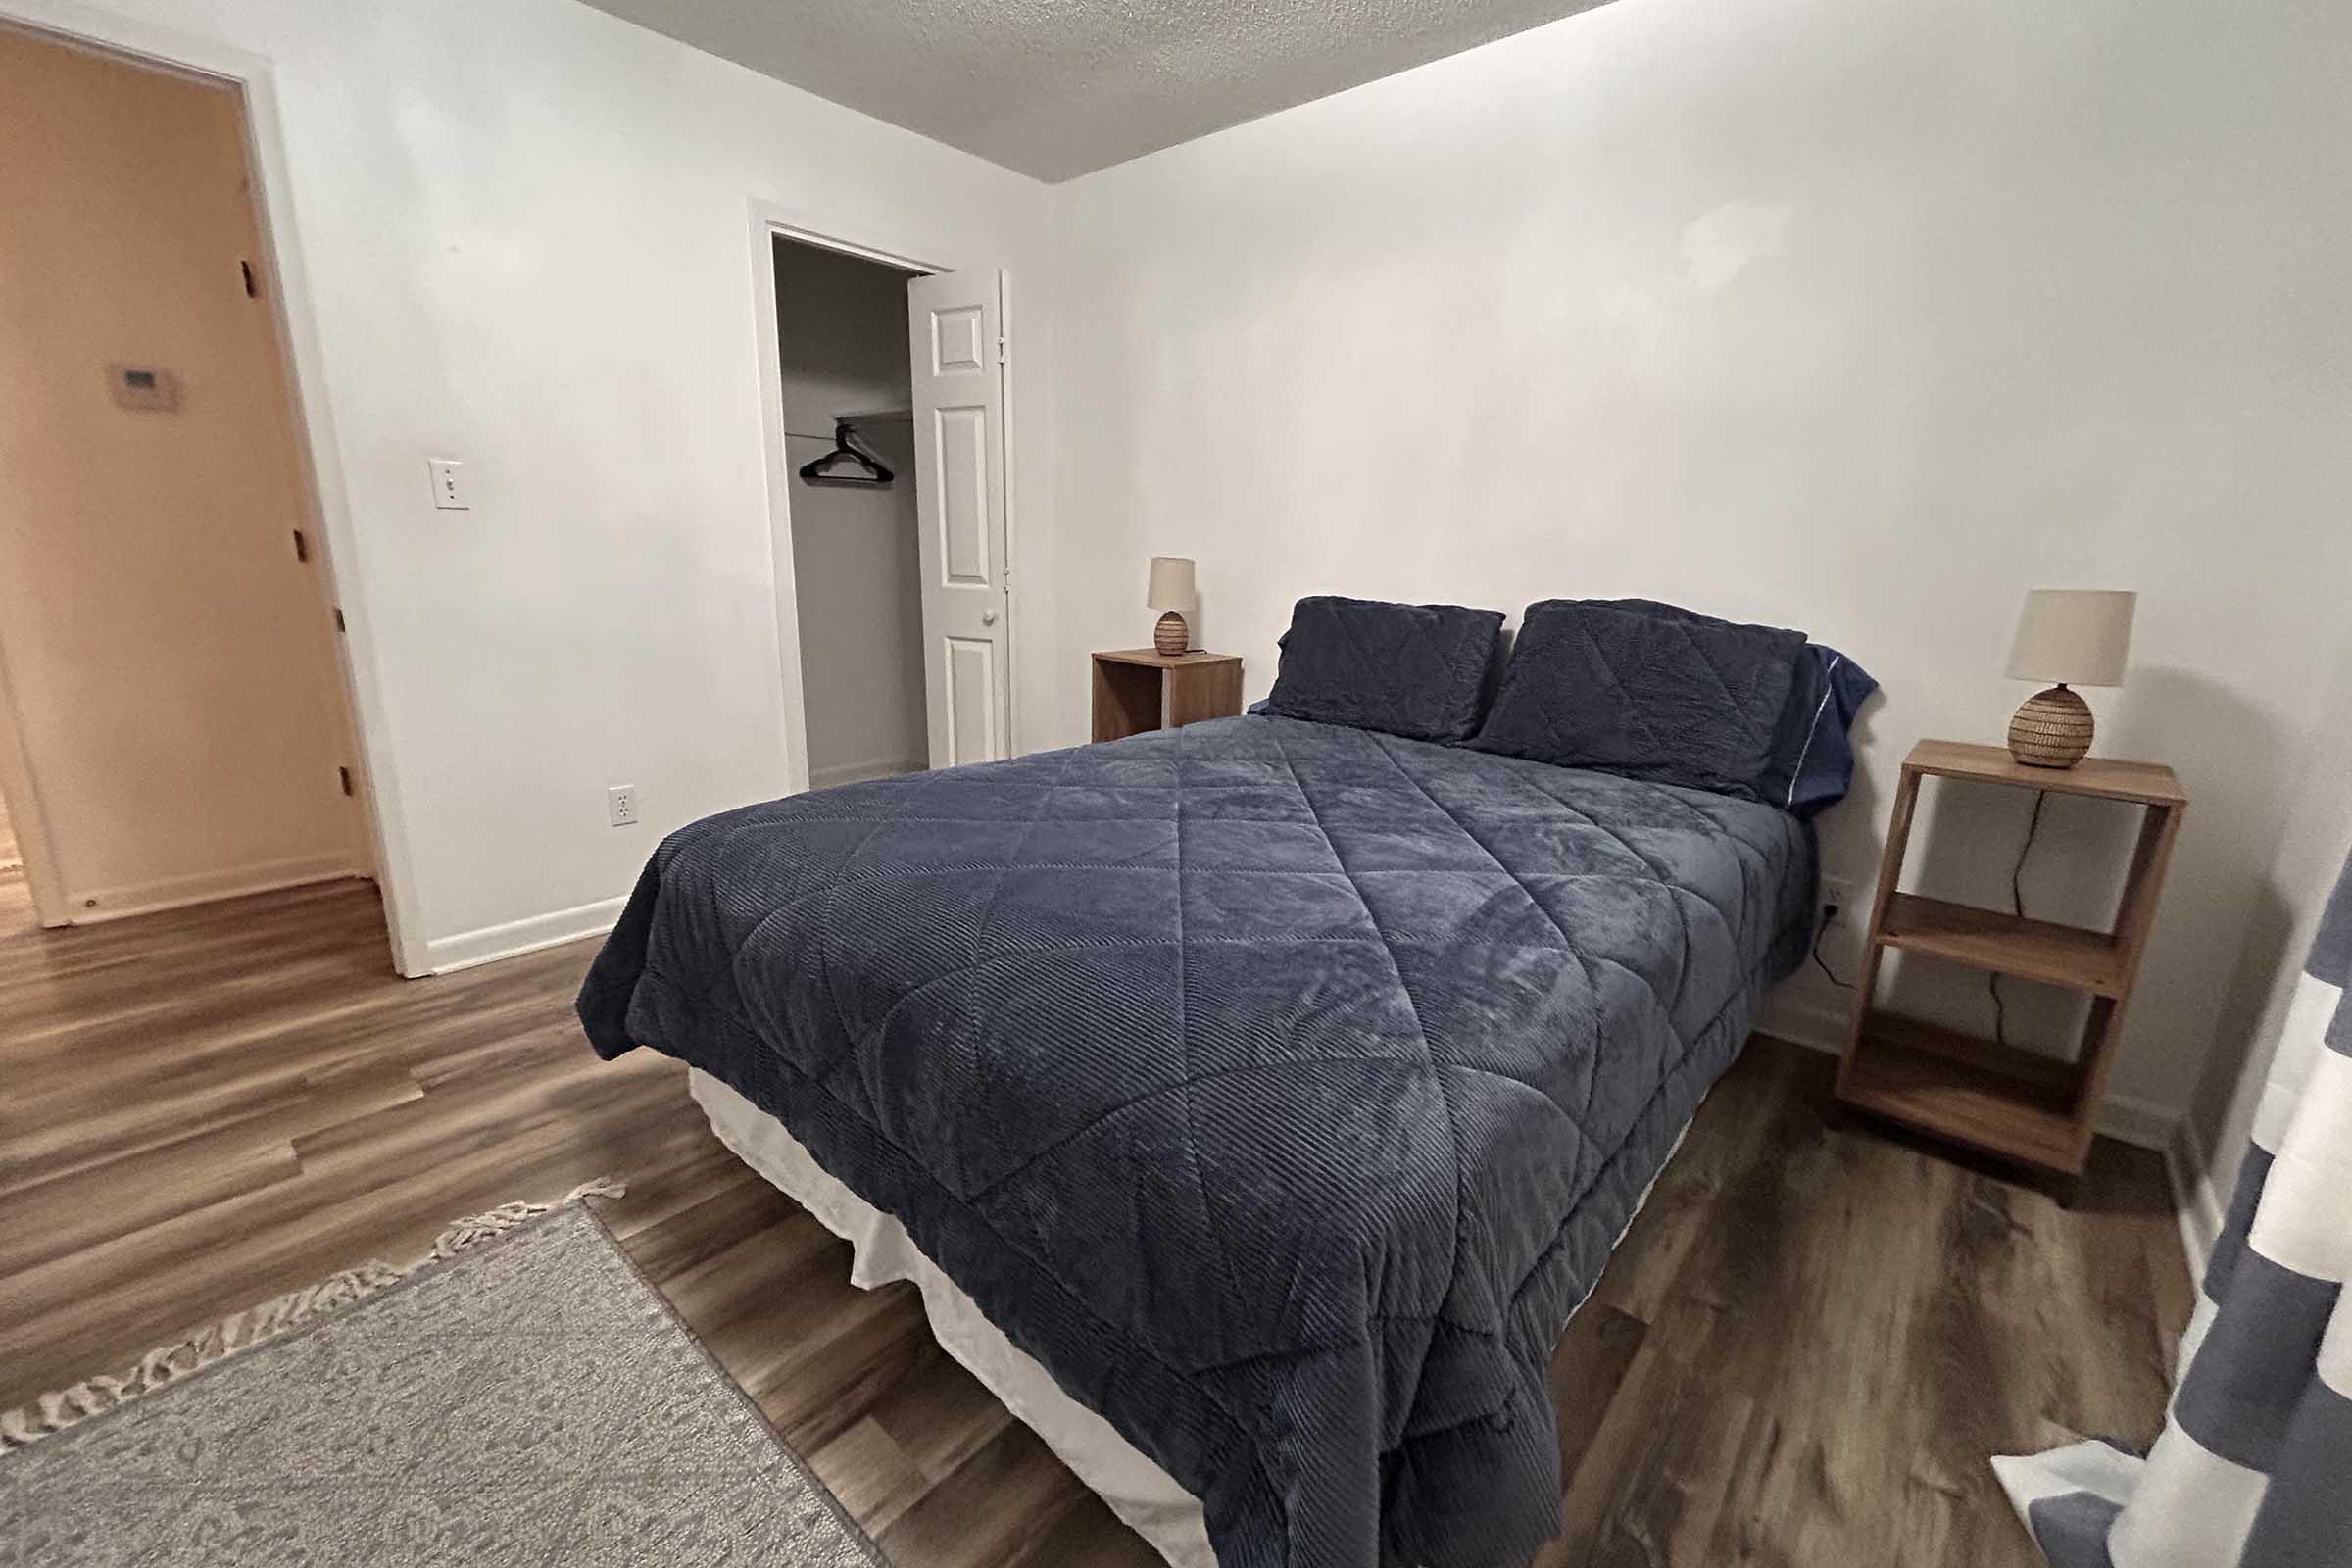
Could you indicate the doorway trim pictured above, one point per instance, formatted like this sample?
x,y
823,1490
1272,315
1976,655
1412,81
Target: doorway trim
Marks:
x,y
325,500
770,221
22,802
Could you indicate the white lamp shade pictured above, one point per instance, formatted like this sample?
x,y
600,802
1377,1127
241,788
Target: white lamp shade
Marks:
x,y
2074,636
1172,585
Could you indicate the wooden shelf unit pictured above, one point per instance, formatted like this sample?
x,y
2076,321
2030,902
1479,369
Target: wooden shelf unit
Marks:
x,y
1139,689
2020,1106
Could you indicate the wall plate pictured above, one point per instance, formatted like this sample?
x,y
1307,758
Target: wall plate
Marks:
x,y
450,490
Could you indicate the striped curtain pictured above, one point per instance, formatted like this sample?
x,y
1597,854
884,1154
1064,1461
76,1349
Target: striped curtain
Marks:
x,y
2254,1467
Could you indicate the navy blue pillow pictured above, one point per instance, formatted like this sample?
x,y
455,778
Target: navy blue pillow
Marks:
x,y
1415,671
1648,691
1812,762
1812,755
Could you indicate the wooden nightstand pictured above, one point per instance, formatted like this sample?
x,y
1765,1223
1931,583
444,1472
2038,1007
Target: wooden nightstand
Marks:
x,y
1136,689
2034,1109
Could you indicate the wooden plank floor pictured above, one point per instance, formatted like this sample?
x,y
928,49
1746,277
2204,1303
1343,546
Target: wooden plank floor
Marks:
x,y
1800,1356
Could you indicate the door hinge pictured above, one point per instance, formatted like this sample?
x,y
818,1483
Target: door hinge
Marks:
x,y
253,287
301,547
339,617
343,776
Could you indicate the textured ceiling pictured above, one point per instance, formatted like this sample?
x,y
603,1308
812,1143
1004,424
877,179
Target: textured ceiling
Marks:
x,y
1059,87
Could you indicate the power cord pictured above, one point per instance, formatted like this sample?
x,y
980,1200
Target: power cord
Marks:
x,y
1828,917
2016,907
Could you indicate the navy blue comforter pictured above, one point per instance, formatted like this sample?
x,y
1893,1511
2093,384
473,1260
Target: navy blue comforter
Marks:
x,y
1281,1087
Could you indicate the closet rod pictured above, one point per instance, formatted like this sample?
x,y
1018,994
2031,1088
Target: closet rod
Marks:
x,y
852,420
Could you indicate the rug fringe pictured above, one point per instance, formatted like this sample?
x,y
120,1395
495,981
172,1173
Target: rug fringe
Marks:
x,y
166,1364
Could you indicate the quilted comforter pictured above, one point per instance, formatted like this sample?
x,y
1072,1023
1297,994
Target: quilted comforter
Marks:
x,y
1281,1087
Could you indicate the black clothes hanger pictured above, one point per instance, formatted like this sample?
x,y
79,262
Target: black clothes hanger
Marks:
x,y
866,473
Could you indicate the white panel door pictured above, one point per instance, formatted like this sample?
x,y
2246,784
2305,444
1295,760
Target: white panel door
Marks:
x,y
955,333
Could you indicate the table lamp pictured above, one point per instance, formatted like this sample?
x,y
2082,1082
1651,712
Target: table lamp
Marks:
x,y
1172,590
2070,637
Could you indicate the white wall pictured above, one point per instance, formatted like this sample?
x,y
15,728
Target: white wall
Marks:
x,y
526,230
177,701
1847,315
2292,893
841,325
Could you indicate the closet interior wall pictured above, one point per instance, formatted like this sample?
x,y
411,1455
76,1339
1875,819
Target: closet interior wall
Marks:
x,y
840,325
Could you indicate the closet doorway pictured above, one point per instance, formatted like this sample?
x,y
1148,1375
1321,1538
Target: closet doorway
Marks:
x,y
889,501
849,444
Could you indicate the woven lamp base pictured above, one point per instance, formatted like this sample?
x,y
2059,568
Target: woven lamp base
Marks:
x,y
1171,637
2051,730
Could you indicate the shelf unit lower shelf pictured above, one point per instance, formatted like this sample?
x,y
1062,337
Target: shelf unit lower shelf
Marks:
x,y
2012,1104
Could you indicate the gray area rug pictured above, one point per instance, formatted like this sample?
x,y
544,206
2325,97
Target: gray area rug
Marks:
x,y
527,1401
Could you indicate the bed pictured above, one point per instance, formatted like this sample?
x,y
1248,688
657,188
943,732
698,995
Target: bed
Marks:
x,y
1253,1102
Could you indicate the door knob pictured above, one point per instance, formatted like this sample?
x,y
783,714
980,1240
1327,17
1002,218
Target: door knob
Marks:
x,y
988,617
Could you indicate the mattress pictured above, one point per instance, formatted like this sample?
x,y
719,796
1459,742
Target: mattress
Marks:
x,y
1279,1088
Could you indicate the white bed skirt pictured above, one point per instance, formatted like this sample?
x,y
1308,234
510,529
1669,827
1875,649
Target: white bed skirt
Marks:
x,y
1137,1491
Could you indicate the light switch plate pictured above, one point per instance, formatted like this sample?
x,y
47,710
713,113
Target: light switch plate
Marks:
x,y
450,491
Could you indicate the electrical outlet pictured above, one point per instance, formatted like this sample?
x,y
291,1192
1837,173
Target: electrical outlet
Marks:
x,y
621,804
450,490
1836,894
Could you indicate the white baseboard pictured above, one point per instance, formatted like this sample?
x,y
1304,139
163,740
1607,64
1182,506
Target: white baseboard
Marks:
x,y
514,938
2142,1123
2199,1206
96,906
1815,1022
1808,1020
824,778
